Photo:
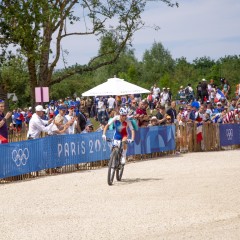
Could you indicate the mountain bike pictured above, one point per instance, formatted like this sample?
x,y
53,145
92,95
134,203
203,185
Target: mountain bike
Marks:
x,y
114,164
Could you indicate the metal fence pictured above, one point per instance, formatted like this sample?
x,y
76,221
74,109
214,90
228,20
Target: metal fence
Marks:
x,y
184,137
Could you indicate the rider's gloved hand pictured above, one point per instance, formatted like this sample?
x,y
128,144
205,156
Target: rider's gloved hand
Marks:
x,y
104,138
130,140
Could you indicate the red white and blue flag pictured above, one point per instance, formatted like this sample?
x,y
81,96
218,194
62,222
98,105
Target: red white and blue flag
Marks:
x,y
219,94
199,128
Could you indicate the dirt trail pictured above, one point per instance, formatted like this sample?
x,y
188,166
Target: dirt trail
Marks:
x,y
190,196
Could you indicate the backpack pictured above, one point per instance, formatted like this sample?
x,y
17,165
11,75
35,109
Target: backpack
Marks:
x,y
150,98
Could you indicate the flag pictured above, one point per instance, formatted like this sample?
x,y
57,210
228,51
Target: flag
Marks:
x,y
199,127
219,94
199,132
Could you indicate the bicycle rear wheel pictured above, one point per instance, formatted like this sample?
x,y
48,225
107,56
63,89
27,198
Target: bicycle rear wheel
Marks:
x,y
112,166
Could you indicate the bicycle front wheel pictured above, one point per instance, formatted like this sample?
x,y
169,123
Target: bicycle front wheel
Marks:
x,y
119,172
112,166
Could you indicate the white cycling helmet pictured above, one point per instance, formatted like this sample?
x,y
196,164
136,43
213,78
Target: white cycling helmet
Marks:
x,y
123,111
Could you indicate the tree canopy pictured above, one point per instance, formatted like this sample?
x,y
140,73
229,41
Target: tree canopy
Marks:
x,y
37,27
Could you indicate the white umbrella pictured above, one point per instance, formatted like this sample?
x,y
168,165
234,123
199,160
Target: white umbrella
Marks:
x,y
115,86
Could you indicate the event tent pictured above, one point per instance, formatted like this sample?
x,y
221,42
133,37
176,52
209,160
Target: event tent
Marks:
x,y
115,86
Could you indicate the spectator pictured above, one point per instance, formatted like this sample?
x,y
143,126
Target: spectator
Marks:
x,y
172,112
37,125
219,108
226,88
150,100
88,128
181,131
170,94
164,98
50,110
81,120
209,108
72,119
181,94
112,114
153,121
233,105
19,120
237,116
161,115
111,103
89,104
141,113
168,120
237,92
204,91
156,91
59,127
3,119
28,116
199,92
189,93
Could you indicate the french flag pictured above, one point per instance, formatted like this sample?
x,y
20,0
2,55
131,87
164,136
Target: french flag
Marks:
x,y
219,94
199,132
199,128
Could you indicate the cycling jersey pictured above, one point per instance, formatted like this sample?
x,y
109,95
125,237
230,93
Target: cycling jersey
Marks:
x,y
120,127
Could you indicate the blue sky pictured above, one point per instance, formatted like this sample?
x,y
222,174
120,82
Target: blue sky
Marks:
x,y
197,28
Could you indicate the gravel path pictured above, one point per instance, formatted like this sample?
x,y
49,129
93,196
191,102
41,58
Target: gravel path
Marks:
x,y
190,196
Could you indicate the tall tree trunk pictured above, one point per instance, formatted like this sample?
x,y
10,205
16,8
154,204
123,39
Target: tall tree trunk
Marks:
x,y
33,79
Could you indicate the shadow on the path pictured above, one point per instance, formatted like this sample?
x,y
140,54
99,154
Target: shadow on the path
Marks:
x,y
136,180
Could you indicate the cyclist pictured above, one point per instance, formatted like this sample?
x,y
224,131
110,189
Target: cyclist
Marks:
x,y
121,123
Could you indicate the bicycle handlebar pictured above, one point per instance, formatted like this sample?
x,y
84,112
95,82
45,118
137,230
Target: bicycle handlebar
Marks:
x,y
111,140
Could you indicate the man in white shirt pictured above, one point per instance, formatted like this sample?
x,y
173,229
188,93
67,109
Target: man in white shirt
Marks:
x,y
71,117
111,103
37,125
156,91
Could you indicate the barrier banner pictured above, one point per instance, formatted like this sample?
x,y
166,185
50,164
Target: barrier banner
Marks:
x,y
153,139
54,151
229,134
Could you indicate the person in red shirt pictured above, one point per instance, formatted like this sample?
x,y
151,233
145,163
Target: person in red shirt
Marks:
x,y
141,112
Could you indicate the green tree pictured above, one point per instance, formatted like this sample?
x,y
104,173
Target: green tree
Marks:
x,y
13,79
37,28
203,65
156,63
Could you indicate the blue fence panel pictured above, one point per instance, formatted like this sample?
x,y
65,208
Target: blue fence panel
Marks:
x,y
229,134
54,151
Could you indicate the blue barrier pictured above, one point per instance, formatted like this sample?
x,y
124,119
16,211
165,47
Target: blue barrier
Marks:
x,y
54,151
229,134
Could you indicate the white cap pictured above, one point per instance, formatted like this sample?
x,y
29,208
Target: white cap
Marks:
x,y
39,108
203,79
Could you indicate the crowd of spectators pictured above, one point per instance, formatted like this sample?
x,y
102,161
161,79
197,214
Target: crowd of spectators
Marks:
x,y
206,103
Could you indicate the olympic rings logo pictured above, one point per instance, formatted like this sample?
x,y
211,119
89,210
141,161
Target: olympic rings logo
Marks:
x,y
229,134
20,156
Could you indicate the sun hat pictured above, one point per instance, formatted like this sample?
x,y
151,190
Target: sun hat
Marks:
x,y
39,108
88,124
153,118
